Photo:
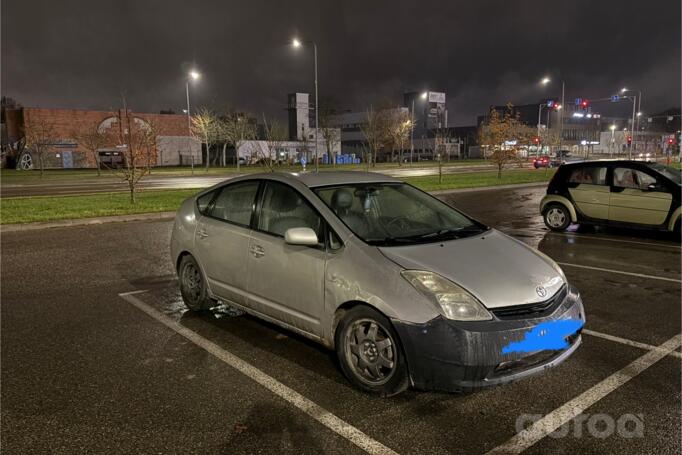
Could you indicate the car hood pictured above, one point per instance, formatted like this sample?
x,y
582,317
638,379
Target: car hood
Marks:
x,y
498,270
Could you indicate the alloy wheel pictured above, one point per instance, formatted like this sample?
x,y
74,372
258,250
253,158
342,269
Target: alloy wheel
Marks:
x,y
370,351
555,217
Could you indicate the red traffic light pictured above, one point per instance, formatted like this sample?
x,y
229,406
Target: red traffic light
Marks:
x,y
584,104
671,141
536,140
629,140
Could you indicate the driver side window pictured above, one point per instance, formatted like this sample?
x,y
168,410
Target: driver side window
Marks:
x,y
285,208
631,178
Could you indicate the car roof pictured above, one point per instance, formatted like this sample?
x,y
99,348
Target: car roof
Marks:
x,y
314,179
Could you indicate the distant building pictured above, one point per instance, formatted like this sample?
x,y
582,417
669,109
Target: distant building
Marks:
x,y
173,144
300,143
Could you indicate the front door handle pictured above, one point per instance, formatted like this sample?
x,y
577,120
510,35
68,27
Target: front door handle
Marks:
x,y
257,251
202,234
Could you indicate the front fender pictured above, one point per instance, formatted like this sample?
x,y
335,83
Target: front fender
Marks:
x,y
561,200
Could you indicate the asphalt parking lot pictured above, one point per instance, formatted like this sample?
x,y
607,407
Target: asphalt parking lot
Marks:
x,y
99,355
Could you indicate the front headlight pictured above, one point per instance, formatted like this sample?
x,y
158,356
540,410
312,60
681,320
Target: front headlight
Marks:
x,y
456,302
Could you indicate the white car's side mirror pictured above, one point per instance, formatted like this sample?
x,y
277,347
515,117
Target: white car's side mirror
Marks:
x,y
300,236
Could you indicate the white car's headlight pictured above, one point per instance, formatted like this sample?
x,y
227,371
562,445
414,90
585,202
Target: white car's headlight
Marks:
x,y
456,302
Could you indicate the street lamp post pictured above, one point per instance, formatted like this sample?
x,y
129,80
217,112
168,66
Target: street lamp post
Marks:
x,y
636,101
193,75
546,80
296,43
613,139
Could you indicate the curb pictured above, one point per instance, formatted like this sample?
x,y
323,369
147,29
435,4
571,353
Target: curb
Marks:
x,y
170,215
488,188
86,221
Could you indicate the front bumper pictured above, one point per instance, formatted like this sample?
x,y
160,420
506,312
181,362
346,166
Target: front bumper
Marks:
x,y
461,356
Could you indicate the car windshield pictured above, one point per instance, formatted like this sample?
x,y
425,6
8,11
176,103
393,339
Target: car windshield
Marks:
x,y
389,214
668,171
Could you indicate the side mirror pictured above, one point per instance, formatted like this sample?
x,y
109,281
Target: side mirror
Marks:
x,y
301,236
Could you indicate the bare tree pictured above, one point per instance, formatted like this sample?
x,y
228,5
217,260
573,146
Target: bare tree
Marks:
x,y
275,134
137,140
234,128
40,133
397,126
375,134
502,136
330,134
205,127
91,138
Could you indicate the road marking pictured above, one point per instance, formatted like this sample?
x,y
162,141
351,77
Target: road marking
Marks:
x,y
565,413
326,418
607,239
625,341
640,275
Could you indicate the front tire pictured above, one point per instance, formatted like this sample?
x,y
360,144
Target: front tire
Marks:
x,y
370,352
556,217
193,285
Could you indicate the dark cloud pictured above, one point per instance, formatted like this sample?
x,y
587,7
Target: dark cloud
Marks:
x,y
85,53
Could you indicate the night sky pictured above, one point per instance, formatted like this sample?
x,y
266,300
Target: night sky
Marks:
x,y
85,53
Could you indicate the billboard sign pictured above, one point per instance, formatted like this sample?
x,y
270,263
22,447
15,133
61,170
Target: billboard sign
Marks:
x,y
436,97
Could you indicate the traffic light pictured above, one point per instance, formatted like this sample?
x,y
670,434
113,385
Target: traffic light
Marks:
x,y
536,140
671,141
584,104
629,141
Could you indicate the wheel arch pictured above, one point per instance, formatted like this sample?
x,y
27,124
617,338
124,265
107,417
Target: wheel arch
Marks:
x,y
556,199
342,309
674,218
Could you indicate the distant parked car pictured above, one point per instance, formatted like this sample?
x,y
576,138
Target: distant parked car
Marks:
x,y
614,192
541,161
561,157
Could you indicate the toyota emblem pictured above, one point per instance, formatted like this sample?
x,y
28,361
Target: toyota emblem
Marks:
x,y
541,291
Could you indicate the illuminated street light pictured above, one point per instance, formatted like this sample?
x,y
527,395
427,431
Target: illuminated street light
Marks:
x,y
545,81
623,90
424,95
192,75
612,127
639,114
297,43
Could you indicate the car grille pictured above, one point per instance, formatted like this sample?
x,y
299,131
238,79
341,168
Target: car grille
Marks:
x,y
532,310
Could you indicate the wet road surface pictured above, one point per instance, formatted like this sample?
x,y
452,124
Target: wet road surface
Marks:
x,y
85,371
107,184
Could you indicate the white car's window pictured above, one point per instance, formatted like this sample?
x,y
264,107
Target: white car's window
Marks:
x,y
396,214
592,175
284,208
632,178
235,203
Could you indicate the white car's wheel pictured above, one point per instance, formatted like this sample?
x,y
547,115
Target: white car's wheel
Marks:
x,y
25,162
556,217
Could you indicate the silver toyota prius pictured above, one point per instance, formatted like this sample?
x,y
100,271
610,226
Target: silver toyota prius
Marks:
x,y
406,289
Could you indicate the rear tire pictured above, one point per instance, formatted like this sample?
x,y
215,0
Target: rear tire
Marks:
x,y
556,217
193,285
370,352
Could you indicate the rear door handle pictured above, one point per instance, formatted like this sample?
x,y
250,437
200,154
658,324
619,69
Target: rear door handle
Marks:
x,y
257,251
202,234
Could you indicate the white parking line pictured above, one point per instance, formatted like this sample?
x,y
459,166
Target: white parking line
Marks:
x,y
640,275
627,342
608,239
326,418
555,419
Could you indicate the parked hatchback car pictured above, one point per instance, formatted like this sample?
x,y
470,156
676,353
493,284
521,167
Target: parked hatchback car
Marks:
x,y
617,193
541,161
406,289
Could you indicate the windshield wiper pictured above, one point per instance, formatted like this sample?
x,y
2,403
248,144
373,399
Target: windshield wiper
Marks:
x,y
452,233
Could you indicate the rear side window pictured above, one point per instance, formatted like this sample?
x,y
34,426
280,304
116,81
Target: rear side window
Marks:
x,y
234,204
593,175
